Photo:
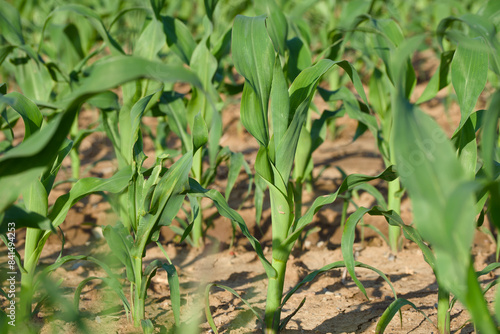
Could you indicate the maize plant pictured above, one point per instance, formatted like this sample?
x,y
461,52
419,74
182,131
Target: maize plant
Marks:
x,y
266,90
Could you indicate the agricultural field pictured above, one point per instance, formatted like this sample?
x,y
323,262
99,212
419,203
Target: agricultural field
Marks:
x,y
235,166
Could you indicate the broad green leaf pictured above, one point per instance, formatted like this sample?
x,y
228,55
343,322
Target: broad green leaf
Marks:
x,y
253,118
28,110
204,64
276,24
391,311
299,58
210,7
34,79
49,176
280,103
348,242
440,78
114,71
22,165
151,40
86,186
175,294
379,93
35,198
301,93
173,105
121,243
490,136
235,163
130,122
469,69
339,264
10,24
442,197
303,154
254,58
93,18
349,182
172,183
179,38
4,52
481,26
200,132
490,156
465,142
105,101
22,218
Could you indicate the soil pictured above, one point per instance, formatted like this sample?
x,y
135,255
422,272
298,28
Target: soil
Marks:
x,y
333,302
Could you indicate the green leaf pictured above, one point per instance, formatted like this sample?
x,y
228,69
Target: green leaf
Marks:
x,y
300,57
253,118
200,132
130,122
22,218
22,165
280,103
391,311
93,18
465,142
339,264
276,24
121,243
254,58
205,66
441,193
440,78
28,110
348,242
10,24
210,7
469,69
114,71
349,182
86,186
179,38
226,211
208,314
235,163
151,40
175,294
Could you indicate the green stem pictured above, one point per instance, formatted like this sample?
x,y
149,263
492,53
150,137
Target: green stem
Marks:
x,y
274,296
75,163
139,301
31,258
345,206
197,169
443,314
394,203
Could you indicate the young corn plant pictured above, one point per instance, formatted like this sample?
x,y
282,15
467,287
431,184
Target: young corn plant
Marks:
x,y
43,151
441,175
266,91
185,115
